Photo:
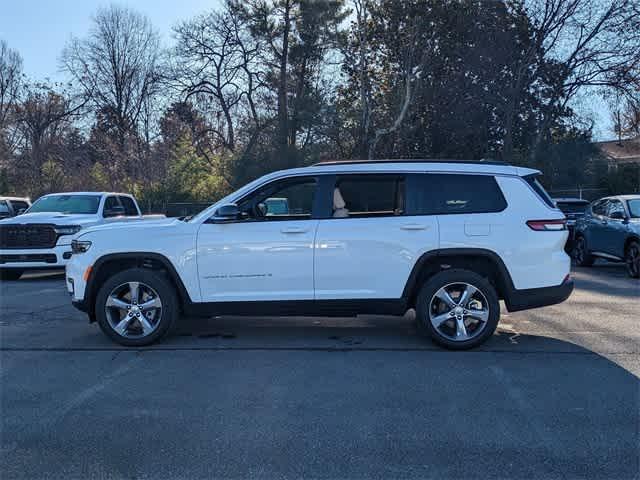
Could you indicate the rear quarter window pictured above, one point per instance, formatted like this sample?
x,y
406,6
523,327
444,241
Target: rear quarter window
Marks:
x,y
537,187
450,194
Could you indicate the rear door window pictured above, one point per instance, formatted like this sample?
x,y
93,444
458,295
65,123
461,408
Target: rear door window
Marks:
x,y
129,205
4,208
449,194
369,195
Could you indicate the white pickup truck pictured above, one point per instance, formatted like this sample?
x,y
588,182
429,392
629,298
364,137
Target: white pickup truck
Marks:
x,y
41,237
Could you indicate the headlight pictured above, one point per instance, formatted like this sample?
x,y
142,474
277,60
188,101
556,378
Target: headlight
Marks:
x,y
80,246
67,229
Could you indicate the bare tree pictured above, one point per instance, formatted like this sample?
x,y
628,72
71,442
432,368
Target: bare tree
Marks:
x,y
216,68
10,85
43,118
117,65
576,44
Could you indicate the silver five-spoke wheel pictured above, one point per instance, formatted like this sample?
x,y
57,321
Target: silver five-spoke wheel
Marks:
x,y
133,310
459,311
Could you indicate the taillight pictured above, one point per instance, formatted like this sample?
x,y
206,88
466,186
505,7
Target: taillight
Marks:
x,y
547,225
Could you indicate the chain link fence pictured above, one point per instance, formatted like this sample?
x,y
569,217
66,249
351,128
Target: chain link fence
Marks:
x,y
589,194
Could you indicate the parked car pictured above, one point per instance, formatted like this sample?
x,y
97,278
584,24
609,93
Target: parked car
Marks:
x,y
12,206
610,229
573,208
41,237
449,239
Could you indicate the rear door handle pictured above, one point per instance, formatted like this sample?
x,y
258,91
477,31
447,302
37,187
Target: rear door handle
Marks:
x,y
413,226
294,230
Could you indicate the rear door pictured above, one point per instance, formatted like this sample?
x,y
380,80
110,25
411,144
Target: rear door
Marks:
x,y
369,244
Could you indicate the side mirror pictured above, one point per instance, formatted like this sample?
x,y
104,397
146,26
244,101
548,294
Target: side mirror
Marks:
x,y
116,211
20,211
227,213
617,216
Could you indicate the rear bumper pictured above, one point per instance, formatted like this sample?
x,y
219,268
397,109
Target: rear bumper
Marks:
x,y
539,297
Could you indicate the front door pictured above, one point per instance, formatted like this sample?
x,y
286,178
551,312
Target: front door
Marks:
x,y
267,254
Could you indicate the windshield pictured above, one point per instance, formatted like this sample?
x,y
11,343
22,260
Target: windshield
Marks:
x,y
634,208
79,204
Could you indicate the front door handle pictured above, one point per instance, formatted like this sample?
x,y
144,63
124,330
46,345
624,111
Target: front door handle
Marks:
x,y
413,226
294,230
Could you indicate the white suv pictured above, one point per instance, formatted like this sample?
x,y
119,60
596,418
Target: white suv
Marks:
x,y
449,239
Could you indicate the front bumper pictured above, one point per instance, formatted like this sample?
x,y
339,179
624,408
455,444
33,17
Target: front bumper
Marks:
x,y
35,258
539,297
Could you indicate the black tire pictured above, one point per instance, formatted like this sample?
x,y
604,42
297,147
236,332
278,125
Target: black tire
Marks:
x,y
151,278
632,259
450,277
10,274
580,254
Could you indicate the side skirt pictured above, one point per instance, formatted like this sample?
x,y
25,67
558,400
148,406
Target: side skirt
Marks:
x,y
312,308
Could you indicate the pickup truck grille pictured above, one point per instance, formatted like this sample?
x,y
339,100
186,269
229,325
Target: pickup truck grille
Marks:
x,y
27,236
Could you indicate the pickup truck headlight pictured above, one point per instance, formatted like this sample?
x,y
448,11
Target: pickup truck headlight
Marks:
x,y
67,229
80,246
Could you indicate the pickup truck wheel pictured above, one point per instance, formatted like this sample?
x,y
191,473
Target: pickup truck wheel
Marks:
x,y
581,254
136,307
458,309
10,274
632,259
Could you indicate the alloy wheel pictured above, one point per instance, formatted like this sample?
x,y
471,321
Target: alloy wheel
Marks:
x,y
459,311
633,260
133,310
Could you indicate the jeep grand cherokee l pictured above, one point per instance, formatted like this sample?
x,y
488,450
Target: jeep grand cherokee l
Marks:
x,y
449,239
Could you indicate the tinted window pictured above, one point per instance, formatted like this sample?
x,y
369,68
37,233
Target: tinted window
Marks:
x,y
368,196
533,182
110,203
19,205
281,200
129,205
78,204
441,194
634,208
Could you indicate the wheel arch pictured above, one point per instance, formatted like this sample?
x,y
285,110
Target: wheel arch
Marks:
x,y
630,238
479,260
110,264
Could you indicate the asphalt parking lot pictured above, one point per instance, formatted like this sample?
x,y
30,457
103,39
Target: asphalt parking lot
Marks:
x,y
554,394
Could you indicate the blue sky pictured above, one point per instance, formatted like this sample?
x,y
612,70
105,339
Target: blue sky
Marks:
x,y
39,30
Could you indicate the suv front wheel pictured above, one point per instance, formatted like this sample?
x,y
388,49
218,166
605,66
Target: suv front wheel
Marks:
x,y
458,309
136,307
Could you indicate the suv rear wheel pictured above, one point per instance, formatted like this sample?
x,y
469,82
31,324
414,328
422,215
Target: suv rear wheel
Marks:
x,y
581,254
458,309
632,259
136,307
